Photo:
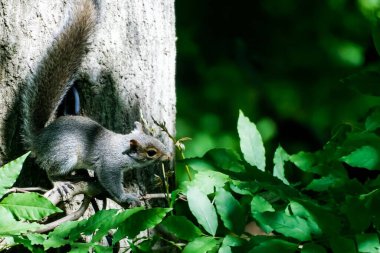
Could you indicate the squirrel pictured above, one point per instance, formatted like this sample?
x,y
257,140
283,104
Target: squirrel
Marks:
x,y
76,142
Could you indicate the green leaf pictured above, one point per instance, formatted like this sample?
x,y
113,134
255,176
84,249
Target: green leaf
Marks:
x,y
81,247
364,157
24,242
139,222
181,227
280,157
29,206
373,120
233,241
57,237
112,221
312,248
372,203
275,246
304,160
230,211
226,159
201,207
260,205
9,173
244,188
368,243
288,225
36,239
225,249
327,219
102,249
325,183
206,181
251,144
351,208
299,210
101,222
201,245
9,226
340,244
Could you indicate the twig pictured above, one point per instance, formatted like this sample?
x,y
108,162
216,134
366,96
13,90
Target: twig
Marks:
x,y
166,184
155,196
177,143
26,189
163,127
71,217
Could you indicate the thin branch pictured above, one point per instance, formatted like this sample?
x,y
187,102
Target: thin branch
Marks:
x,y
26,189
71,217
154,196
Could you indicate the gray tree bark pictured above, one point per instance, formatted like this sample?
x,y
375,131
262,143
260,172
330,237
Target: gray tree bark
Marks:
x,y
127,75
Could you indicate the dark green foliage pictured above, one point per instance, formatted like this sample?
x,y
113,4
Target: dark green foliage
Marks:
x,y
329,210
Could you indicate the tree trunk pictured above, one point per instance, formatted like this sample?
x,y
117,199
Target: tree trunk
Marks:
x,y
128,72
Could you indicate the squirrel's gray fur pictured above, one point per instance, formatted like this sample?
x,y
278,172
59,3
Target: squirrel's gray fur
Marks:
x,y
76,142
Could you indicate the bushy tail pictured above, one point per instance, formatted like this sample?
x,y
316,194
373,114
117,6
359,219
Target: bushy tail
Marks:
x,y
52,79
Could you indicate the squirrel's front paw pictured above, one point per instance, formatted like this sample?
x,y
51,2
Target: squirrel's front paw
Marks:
x,y
64,189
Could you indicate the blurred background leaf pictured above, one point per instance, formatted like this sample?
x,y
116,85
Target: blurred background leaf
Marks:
x,y
283,62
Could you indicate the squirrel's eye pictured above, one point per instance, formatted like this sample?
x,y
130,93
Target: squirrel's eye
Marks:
x,y
151,152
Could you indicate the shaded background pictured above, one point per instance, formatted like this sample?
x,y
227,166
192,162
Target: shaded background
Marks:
x,y
280,61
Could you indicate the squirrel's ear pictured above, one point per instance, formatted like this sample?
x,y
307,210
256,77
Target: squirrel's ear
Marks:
x,y
133,145
138,128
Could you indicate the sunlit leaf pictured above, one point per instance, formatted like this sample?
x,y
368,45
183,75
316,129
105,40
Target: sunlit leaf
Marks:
x,y
9,173
203,210
139,222
201,245
9,226
29,206
366,157
36,239
368,242
57,237
288,225
251,144
280,157
243,187
206,181
233,241
304,160
373,120
225,249
260,205
300,211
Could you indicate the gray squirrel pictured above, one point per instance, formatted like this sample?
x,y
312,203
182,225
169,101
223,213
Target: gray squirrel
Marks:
x,y
75,142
